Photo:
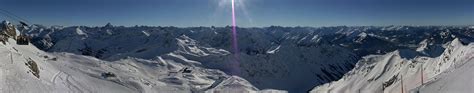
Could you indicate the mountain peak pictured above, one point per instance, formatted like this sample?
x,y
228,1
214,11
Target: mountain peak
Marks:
x,y
109,25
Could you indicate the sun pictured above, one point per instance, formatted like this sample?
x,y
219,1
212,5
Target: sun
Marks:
x,y
240,8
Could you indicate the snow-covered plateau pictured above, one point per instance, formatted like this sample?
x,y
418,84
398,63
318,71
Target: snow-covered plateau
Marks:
x,y
274,59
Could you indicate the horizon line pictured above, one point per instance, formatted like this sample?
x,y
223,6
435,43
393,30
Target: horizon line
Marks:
x,y
315,26
259,26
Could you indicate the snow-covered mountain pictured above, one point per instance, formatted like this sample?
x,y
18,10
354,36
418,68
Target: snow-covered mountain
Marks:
x,y
404,70
287,58
266,56
26,69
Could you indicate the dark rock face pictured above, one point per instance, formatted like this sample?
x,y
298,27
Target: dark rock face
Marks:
x,y
7,29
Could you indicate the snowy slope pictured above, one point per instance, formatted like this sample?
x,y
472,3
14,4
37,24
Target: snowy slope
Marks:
x,y
300,58
208,48
459,80
26,69
388,72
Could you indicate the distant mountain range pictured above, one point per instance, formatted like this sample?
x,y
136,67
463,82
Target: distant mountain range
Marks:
x,y
295,59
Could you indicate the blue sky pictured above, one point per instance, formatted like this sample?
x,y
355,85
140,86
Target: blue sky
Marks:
x,y
250,13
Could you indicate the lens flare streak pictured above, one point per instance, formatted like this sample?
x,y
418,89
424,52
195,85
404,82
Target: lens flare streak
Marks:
x,y
235,65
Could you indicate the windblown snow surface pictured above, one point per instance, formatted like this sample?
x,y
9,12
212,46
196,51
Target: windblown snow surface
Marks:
x,y
196,59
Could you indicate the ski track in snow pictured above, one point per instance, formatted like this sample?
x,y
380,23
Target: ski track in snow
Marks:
x,y
55,76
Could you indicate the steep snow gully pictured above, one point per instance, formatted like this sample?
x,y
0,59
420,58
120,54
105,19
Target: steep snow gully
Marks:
x,y
274,59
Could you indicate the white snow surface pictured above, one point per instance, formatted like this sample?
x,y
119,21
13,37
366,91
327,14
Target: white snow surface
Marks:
x,y
295,59
145,33
447,73
71,73
274,50
263,60
80,32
